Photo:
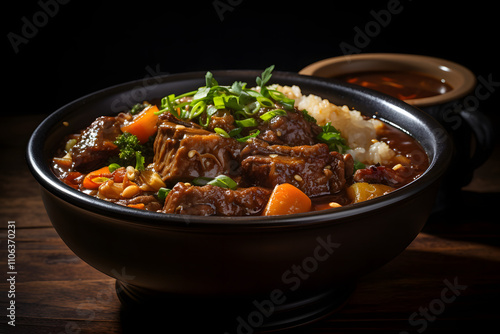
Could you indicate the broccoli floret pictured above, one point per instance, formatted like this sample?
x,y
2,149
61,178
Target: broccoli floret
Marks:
x,y
132,153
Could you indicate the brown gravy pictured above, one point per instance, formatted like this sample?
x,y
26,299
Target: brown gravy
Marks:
x,y
401,85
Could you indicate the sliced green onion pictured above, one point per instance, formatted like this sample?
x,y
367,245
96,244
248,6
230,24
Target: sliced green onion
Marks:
x,y
224,181
186,94
251,108
252,135
265,102
282,99
221,132
219,102
113,167
232,102
162,193
276,95
170,107
272,113
246,123
198,109
234,132
201,180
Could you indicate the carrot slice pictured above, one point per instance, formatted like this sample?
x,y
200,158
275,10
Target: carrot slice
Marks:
x,y
137,206
143,125
287,199
94,179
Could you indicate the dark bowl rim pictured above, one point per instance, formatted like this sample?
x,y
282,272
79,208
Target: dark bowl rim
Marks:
x,y
44,176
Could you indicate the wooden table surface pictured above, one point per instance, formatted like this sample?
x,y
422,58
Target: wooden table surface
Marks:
x,y
446,281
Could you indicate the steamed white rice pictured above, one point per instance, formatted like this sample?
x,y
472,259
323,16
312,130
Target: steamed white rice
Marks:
x,y
360,133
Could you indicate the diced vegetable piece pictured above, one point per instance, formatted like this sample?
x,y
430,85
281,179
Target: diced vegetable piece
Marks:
x,y
287,199
114,166
73,179
94,179
65,161
143,125
137,206
363,191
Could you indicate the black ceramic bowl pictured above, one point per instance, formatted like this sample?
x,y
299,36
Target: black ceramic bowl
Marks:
x,y
276,271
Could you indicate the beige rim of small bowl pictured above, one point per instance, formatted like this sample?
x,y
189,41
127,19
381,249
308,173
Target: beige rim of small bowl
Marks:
x,y
461,79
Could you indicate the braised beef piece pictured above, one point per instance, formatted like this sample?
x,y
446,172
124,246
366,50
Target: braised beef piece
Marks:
x,y
311,168
381,175
211,200
184,152
95,145
221,119
291,130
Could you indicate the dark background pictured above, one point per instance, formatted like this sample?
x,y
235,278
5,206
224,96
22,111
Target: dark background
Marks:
x,y
83,46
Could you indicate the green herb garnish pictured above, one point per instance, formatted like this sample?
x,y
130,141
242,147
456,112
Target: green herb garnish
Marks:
x,y
162,193
131,151
244,103
271,114
114,166
222,181
331,136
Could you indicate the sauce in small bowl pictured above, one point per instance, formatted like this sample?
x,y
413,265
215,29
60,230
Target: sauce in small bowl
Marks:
x,y
403,85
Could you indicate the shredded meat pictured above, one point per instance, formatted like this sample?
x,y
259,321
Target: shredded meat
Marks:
x,y
183,153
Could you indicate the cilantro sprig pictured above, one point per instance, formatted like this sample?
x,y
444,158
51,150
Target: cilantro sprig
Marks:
x,y
332,137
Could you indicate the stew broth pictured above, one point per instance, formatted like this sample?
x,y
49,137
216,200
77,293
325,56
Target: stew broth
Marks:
x,y
401,85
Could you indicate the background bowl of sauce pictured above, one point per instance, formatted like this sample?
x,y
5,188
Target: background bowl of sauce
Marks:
x,y
421,81
403,85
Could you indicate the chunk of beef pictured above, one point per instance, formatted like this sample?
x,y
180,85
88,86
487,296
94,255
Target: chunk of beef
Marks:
x,y
292,130
211,200
380,175
95,145
221,119
311,168
182,153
